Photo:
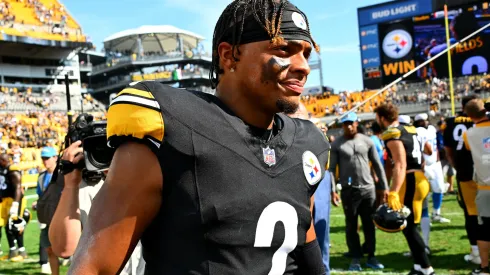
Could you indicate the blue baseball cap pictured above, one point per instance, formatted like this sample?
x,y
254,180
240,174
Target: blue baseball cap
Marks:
x,y
351,117
48,152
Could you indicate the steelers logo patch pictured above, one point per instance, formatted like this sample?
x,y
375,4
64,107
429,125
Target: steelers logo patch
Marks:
x,y
299,20
311,168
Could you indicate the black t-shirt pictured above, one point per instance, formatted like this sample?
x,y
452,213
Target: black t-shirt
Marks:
x,y
233,202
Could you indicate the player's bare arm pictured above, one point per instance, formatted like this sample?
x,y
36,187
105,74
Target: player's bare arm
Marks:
x,y
450,155
388,170
16,179
310,234
124,207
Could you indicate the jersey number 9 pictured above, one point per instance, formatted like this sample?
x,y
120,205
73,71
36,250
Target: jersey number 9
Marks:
x,y
458,135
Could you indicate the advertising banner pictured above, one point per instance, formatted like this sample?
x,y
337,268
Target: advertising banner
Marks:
x,y
393,11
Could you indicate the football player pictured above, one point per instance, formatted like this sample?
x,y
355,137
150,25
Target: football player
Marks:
x,y
12,205
409,185
216,184
433,170
461,160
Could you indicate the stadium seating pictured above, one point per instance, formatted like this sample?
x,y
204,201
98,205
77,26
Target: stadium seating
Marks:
x,y
25,134
13,100
35,18
402,94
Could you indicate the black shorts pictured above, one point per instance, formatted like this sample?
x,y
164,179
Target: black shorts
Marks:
x,y
484,229
44,239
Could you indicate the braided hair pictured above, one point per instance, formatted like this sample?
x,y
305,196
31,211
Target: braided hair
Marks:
x,y
268,13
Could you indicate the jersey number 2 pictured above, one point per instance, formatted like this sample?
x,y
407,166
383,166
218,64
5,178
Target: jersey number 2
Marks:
x,y
278,212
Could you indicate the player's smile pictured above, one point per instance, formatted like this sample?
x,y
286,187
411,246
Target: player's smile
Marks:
x,y
293,85
272,71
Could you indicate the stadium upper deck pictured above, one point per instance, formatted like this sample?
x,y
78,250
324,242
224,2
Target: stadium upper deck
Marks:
x,y
39,46
161,53
37,22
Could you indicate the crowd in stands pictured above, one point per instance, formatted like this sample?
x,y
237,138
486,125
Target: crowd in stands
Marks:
x,y
46,19
6,16
47,16
14,99
115,57
23,135
431,92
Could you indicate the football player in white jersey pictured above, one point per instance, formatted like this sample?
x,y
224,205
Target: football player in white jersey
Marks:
x,y
433,170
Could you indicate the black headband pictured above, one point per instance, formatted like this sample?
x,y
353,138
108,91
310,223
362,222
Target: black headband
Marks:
x,y
293,27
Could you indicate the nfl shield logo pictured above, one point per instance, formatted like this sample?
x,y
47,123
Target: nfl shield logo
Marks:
x,y
486,144
269,156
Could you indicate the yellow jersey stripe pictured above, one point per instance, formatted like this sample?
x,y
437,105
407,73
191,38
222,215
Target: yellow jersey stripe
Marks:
x,y
392,133
483,124
135,121
136,92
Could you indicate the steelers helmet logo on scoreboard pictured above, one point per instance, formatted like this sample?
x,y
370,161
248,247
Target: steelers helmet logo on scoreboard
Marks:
x,y
397,44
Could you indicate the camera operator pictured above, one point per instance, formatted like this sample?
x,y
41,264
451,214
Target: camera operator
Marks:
x,y
72,213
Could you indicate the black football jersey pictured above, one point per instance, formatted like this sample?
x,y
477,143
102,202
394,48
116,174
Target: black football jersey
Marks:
x,y
7,189
232,203
408,135
453,138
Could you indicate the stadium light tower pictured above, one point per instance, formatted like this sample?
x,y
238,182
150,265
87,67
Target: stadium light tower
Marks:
x,y
317,65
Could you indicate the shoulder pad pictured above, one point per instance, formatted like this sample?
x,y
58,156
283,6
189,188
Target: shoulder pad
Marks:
x,y
135,114
450,119
14,168
391,133
411,129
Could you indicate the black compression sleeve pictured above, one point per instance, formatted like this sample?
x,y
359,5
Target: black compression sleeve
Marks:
x,y
310,260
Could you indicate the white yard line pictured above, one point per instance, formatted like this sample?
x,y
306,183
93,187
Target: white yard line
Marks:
x,y
371,272
443,214
30,197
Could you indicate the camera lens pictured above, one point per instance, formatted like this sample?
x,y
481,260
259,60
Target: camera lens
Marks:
x,y
98,155
101,156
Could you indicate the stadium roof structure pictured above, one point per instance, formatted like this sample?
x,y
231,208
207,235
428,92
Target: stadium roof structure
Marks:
x,y
161,38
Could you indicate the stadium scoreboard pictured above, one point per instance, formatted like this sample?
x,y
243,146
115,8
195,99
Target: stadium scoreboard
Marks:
x,y
397,36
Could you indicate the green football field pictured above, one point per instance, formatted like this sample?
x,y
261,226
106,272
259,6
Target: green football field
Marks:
x,y
448,244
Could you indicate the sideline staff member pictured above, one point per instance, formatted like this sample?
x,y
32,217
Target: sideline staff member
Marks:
x,y
477,139
352,152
